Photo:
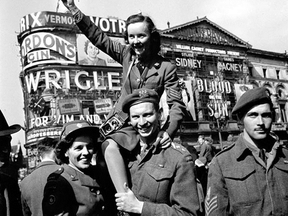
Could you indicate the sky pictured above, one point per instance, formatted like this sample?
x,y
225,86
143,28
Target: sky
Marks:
x,y
261,23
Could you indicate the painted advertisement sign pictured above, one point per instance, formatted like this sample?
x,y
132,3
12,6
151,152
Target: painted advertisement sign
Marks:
x,y
88,54
58,46
65,20
48,41
41,46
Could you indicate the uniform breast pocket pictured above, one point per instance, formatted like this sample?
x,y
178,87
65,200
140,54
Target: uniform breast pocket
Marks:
x,y
242,186
156,183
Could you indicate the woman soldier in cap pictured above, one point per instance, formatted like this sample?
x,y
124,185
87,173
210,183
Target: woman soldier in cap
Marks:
x,y
143,67
82,196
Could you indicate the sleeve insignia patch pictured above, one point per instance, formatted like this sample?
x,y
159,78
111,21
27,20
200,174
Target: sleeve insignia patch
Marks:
x,y
173,93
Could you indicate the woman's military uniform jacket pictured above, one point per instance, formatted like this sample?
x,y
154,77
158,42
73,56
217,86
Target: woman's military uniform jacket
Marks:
x,y
240,183
84,197
161,74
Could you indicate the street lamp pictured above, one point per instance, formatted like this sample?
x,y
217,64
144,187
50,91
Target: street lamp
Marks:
x,y
220,123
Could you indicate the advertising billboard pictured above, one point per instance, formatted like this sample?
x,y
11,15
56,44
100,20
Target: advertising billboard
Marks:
x,y
58,94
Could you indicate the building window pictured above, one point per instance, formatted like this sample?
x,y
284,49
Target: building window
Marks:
x,y
250,70
264,72
278,74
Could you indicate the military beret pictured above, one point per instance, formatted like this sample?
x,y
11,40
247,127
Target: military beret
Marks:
x,y
140,96
251,98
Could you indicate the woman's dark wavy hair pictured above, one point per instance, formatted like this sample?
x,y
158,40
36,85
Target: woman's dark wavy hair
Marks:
x,y
64,144
155,35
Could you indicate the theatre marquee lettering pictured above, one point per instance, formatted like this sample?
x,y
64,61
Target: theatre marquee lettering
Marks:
x,y
205,50
217,103
208,86
229,66
188,62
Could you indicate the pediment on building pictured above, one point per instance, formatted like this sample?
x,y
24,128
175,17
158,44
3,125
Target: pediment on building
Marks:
x,y
205,31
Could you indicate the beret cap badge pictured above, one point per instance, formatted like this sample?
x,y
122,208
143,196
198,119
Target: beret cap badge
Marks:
x,y
143,93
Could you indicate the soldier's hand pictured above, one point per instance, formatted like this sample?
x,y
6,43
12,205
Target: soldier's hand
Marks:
x,y
163,139
128,202
69,3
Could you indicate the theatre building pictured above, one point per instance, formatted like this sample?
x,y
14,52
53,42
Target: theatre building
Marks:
x,y
61,83
217,67
213,64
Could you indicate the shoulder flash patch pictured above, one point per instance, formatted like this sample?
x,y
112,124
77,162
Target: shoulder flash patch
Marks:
x,y
179,147
58,195
55,174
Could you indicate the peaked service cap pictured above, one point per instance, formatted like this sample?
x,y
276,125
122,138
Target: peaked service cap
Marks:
x,y
71,128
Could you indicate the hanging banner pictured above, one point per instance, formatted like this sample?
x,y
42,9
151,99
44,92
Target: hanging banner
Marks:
x,y
241,89
188,98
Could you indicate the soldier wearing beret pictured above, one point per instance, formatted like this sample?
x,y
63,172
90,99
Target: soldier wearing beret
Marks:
x,y
74,188
250,176
162,180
